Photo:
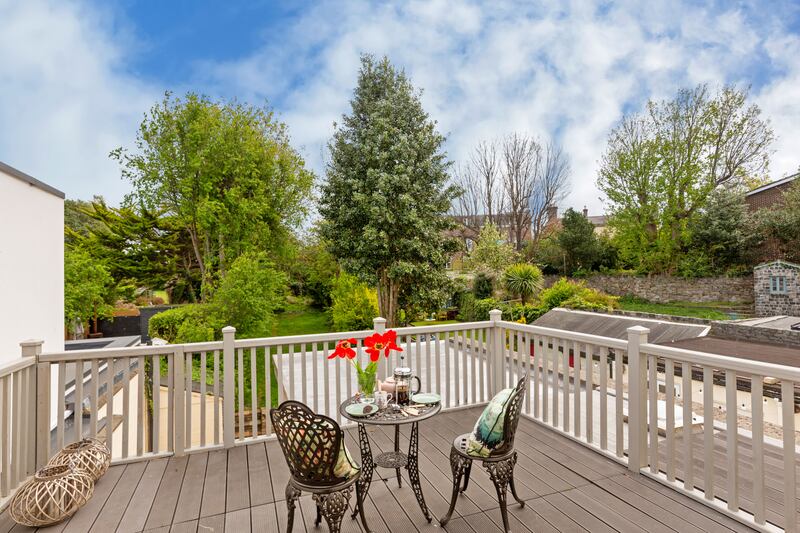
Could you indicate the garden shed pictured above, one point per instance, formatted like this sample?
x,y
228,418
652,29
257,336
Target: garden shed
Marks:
x,y
777,288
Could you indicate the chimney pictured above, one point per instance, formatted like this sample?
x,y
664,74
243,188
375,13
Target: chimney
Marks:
x,y
585,212
552,213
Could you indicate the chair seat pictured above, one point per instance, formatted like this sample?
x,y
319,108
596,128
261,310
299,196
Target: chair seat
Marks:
x,y
460,447
322,489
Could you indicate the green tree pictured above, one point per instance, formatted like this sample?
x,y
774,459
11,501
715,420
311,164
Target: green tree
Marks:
x,y
225,171
386,197
249,294
660,168
523,280
354,304
88,289
492,254
578,242
78,219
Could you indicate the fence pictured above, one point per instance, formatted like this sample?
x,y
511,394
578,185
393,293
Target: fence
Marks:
x,y
627,399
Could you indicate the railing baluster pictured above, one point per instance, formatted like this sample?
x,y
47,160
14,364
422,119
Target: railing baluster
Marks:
x,y
216,397
526,357
268,389
350,370
603,398
279,371
315,375
77,415
789,457
338,383
555,382
95,412
538,356
688,459
589,373
326,380
457,341
240,390
447,378
303,373
465,366
291,372
110,371
546,379
141,413
203,397
652,401
565,388
187,439
126,405
16,431
5,440
473,355
253,393
170,403
733,440
428,374
619,433
576,400
669,384
438,363
155,446
708,432
61,394
757,400
418,353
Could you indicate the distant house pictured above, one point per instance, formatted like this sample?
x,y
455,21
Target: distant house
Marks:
x,y
777,288
467,231
600,222
769,196
31,263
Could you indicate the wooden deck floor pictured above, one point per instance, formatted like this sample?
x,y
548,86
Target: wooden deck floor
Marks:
x,y
567,487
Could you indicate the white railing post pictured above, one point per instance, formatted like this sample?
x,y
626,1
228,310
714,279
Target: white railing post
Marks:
x,y
228,392
379,324
637,398
497,369
41,426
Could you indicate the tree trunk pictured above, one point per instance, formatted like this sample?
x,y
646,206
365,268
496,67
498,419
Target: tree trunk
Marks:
x,y
388,293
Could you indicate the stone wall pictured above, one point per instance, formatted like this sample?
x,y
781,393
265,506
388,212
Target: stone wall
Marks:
x,y
740,332
665,289
768,304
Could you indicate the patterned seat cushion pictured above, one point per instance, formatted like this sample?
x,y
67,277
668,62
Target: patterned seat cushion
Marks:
x,y
345,467
488,433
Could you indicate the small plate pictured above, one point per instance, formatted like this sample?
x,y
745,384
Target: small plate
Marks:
x,y
361,409
426,398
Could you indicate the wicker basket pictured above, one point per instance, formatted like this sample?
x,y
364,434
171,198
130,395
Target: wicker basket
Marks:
x,y
51,495
89,454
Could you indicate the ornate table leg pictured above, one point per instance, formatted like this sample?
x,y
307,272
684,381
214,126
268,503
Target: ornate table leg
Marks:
x,y
413,469
397,451
367,466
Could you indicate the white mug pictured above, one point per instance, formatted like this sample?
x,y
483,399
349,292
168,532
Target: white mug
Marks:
x,y
382,398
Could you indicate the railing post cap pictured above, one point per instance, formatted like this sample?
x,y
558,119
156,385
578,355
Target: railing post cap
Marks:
x,y
228,329
638,330
31,342
379,320
495,315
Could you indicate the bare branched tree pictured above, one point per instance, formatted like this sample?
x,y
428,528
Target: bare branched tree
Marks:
x,y
483,196
467,208
521,166
550,189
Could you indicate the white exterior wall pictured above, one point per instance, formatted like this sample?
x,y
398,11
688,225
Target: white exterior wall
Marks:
x,y
31,267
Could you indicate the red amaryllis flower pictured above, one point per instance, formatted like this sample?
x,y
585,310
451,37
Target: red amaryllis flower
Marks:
x,y
344,348
377,344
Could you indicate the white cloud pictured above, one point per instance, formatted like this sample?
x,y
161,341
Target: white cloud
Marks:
x,y
65,99
490,69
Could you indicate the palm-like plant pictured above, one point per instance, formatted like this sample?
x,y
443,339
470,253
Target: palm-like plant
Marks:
x,y
523,279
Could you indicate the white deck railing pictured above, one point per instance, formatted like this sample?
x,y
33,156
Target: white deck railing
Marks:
x,y
151,401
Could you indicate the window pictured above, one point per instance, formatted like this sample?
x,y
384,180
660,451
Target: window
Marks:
x,y
470,244
777,285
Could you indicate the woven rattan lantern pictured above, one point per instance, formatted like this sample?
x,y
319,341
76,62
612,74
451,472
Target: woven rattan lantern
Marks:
x,y
89,454
53,494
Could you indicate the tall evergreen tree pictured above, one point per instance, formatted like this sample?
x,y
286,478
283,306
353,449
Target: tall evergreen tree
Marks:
x,y
386,196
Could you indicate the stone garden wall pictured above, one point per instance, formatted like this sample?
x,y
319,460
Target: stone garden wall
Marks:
x,y
788,303
665,289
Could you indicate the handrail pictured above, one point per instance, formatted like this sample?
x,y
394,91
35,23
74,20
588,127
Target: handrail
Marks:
x,y
16,365
609,342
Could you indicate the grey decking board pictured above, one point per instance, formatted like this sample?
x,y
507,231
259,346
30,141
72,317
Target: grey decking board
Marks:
x,y
114,509
184,527
238,521
82,521
138,509
258,475
263,519
214,486
163,510
238,484
543,510
278,470
578,514
211,524
191,495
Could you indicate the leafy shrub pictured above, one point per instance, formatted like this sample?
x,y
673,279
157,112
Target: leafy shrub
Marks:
x,y
188,323
354,304
575,295
523,280
483,286
560,291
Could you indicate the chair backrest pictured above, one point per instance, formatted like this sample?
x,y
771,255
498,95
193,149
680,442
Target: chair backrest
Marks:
x,y
511,416
310,442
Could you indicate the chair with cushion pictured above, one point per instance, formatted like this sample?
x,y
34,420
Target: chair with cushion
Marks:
x,y
319,463
492,443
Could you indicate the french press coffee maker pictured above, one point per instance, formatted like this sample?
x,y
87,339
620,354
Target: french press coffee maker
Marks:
x,y
402,384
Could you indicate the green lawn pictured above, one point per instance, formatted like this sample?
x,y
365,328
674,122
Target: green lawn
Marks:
x,y
688,309
433,322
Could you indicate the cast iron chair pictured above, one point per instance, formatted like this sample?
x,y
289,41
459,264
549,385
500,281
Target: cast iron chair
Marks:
x,y
500,463
310,444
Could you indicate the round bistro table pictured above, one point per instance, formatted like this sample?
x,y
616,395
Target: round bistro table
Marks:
x,y
395,459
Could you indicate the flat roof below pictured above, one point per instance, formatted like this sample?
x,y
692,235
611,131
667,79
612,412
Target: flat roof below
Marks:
x,y
782,322
754,351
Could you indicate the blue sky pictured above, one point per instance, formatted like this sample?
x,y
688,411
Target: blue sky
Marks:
x,y
77,75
